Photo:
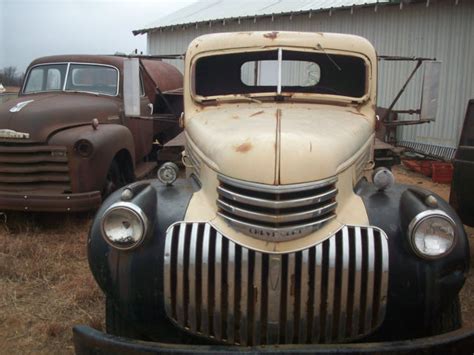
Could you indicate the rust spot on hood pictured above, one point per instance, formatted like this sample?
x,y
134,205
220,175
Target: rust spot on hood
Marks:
x,y
271,35
256,113
244,147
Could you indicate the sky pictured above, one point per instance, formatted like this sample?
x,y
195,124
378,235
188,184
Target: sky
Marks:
x,y
34,28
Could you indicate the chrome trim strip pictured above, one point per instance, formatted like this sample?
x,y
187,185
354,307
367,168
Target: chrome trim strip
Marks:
x,y
357,282
277,218
331,288
167,286
217,287
205,279
277,234
230,292
276,189
192,278
274,300
257,290
344,284
318,275
304,297
243,296
384,281
370,281
290,298
260,202
180,279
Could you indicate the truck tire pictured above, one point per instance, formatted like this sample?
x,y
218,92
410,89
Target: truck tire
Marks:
x,y
449,318
115,179
116,324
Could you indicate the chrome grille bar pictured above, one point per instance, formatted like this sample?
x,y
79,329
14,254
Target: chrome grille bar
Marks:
x,y
276,212
332,292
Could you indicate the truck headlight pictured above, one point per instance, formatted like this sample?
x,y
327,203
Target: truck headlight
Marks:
x,y
124,225
432,234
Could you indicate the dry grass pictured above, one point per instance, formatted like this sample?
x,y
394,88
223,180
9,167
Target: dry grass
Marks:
x,y
46,286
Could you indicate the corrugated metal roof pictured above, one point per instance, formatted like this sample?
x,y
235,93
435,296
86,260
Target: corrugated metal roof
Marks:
x,y
213,10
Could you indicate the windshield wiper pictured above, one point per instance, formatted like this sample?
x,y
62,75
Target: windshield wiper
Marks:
x,y
319,46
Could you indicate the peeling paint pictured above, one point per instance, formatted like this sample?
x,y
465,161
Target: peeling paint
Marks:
x,y
244,147
271,35
256,113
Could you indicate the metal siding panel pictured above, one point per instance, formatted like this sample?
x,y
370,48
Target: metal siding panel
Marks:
x,y
440,30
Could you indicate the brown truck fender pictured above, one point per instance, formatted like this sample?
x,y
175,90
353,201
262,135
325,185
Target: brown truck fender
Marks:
x,y
88,169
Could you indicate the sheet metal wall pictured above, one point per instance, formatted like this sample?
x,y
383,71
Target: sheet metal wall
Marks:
x,y
443,30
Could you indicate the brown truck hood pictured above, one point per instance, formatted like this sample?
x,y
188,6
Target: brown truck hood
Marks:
x,y
285,145
48,113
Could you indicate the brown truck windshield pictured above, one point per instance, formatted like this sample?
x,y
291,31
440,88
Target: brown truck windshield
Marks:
x,y
97,79
280,71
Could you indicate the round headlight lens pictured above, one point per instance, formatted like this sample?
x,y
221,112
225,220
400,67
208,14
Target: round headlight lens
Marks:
x,y
432,234
124,225
84,148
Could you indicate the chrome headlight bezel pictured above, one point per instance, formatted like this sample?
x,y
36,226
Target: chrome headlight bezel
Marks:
x,y
423,217
128,207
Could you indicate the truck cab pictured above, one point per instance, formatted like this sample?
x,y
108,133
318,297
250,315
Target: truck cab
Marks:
x,y
275,239
66,141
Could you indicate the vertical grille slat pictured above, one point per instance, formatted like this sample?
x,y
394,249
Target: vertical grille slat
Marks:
x,y
181,302
244,297
357,282
192,307
231,292
205,279
344,284
334,291
290,298
218,287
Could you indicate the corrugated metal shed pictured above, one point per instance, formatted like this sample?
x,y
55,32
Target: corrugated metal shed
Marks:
x,y
204,11
440,29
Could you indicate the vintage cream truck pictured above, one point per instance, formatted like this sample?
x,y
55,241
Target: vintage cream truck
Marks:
x,y
275,240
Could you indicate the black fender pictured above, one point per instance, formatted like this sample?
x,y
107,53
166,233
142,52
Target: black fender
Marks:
x,y
131,278
89,174
418,288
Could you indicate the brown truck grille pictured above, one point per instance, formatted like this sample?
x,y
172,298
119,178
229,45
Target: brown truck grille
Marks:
x,y
276,213
332,292
32,167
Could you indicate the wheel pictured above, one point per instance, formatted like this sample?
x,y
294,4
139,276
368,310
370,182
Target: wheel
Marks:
x,y
449,318
115,324
115,179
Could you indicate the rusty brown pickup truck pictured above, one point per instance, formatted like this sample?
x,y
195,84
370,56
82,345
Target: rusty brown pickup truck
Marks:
x,y
66,141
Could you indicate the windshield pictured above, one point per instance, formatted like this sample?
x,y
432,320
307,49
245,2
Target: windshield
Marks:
x,y
97,79
277,72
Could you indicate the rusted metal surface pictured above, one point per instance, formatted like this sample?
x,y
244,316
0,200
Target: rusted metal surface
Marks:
x,y
39,133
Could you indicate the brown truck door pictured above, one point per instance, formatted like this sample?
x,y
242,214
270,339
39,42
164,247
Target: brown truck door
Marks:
x,y
462,187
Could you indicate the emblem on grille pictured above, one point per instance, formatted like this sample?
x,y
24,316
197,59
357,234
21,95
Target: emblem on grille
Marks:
x,y
8,133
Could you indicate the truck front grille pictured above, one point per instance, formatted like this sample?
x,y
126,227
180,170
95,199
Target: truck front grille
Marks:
x,y
276,212
25,167
332,292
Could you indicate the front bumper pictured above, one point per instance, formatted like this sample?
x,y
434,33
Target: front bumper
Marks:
x,y
44,202
91,341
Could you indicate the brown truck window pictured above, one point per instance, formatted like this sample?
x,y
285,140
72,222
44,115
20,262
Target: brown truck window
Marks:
x,y
46,78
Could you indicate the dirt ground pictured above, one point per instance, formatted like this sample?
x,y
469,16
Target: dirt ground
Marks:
x,y
46,286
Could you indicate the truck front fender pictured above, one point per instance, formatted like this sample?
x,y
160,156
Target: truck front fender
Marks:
x,y
418,288
89,173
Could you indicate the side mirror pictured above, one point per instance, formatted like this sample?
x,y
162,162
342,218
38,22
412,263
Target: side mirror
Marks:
x,y
430,90
131,87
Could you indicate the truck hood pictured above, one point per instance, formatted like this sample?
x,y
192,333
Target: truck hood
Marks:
x,y
40,115
285,145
